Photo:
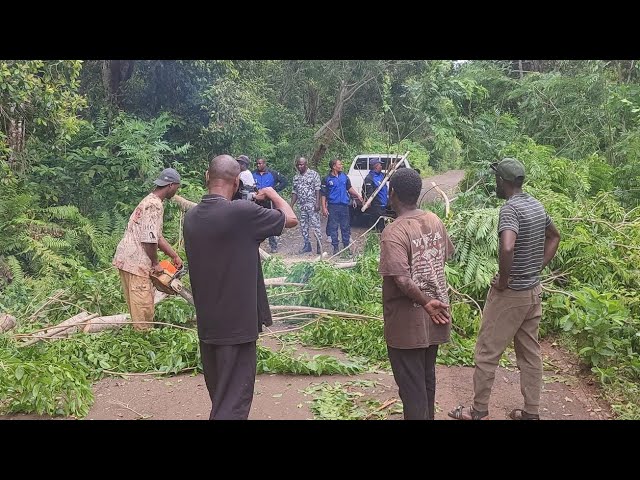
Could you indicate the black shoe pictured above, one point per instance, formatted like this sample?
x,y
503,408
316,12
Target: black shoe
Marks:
x,y
335,249
319,247
274,249
305,249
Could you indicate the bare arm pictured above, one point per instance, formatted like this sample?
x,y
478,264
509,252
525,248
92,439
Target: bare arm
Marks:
x,y
318,201
166,248
151,249
551,243
409,288
505,258
353,192
279,203
294,199
438,311
325,211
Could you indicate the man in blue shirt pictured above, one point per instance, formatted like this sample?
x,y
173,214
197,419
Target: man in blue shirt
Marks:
x,y
335,189
265,177
372,181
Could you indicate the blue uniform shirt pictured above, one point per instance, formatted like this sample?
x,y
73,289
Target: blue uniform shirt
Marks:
x,y
336,189
269,179
383,194
264,180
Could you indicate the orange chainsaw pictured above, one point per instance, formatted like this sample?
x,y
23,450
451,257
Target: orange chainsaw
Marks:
x,y
169,281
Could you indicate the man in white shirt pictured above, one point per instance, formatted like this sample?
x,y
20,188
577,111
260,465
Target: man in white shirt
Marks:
x,y
245,174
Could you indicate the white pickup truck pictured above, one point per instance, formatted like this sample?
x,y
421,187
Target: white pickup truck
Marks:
x,y
358,172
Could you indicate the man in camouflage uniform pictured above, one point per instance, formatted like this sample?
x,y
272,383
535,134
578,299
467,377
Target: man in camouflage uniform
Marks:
x,y
306,190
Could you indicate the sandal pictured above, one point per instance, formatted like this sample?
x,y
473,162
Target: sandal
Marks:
x,y
519,414
457,414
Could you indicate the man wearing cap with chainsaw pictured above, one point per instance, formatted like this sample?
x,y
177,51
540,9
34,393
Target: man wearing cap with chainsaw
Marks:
x,y
136,256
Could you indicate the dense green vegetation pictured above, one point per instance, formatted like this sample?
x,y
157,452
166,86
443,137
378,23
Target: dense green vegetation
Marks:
x,y
80,143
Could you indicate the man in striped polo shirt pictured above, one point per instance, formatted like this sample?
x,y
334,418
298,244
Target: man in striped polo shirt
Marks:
x,y
528,242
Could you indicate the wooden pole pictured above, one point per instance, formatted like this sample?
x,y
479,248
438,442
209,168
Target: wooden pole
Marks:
x,y
444,195
384,181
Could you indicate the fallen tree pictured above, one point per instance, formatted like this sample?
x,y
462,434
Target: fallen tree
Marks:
x,y
83,322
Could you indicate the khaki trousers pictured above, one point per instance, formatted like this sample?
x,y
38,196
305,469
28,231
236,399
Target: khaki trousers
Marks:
x,y
509,315
138,291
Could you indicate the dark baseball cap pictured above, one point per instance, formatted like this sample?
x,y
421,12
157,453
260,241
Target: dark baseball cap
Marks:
x,y
374,161
243,159
167,176
509,169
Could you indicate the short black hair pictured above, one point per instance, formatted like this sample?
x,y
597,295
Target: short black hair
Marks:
x,y
333,162
407,184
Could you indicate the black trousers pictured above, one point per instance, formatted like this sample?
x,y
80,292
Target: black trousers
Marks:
x,y
230,375
376,211
273,241
414,371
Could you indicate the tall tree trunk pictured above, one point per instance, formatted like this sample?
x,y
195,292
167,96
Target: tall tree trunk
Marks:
x,y
15,136
311,104
520,68
115,73
289,79
327,133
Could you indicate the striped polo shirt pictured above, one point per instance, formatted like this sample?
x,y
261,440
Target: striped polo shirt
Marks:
x,y
525,216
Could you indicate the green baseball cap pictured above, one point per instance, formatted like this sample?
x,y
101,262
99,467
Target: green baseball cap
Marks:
x,y
509,169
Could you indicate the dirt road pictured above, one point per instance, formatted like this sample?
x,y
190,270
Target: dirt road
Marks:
x,y
290,242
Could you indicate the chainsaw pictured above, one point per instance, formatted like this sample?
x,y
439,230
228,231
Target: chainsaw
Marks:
x,y
169,281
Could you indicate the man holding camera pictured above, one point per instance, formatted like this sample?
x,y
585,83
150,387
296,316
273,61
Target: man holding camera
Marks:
x,y
222,238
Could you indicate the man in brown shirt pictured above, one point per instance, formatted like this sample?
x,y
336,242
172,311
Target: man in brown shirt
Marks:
x,y
413,252
137,253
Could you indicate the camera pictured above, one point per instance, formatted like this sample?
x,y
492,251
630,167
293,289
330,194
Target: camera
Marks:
x,y
246,192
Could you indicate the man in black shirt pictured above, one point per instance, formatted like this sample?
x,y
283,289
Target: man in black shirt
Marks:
x,y
221,241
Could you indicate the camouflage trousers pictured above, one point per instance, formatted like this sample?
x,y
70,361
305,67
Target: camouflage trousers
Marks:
x,y
309,218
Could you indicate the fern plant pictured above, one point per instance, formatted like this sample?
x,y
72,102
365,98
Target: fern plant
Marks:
x,y
474,234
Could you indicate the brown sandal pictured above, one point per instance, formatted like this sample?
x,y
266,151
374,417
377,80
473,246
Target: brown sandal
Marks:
x,y
457,414
519,414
